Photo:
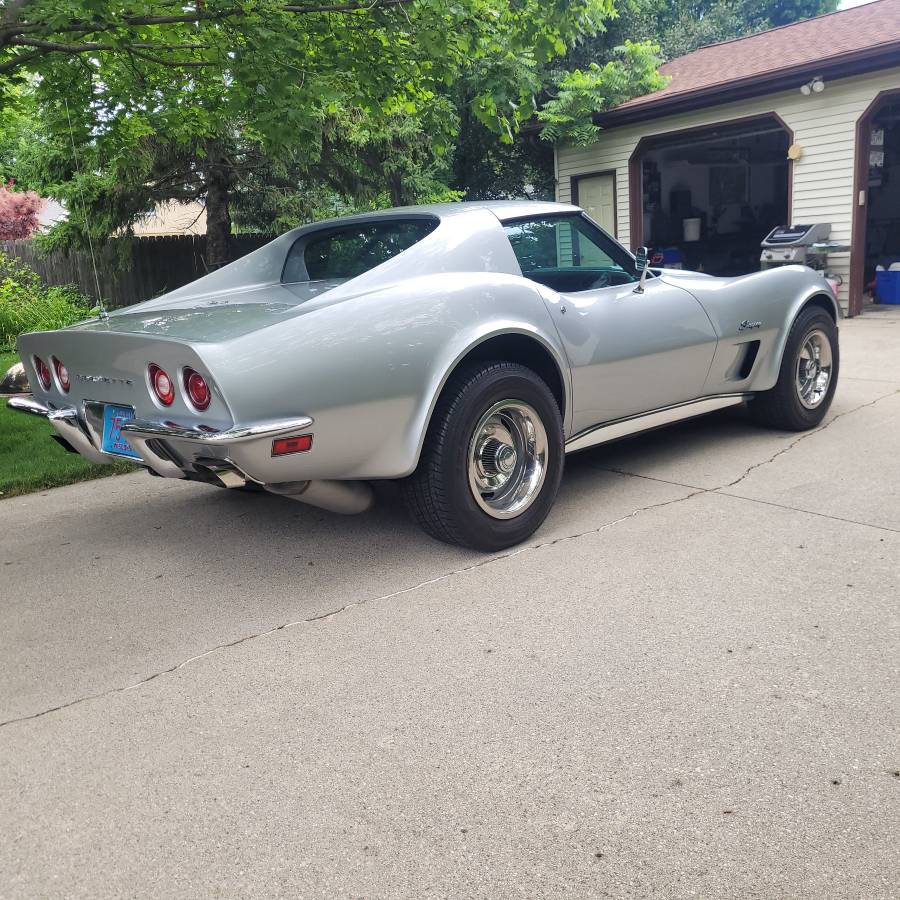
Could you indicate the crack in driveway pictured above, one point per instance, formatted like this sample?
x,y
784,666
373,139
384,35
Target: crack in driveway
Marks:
x,y
694,492
805,435
780,452
344,608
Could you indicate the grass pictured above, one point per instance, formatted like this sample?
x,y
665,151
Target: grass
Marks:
x,y
30,460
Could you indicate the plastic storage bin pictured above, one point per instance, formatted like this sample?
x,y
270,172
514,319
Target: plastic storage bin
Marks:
x,y
887,287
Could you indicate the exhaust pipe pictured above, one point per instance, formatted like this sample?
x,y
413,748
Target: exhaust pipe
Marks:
x,y
345,497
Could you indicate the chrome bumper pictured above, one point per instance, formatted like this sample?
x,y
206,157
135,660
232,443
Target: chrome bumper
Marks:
x,y
207,456
149,439
67,425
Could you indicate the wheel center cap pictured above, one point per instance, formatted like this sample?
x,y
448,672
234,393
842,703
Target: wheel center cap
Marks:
x,y
506,458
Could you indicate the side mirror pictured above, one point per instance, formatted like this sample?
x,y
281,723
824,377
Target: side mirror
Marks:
x,y
642,265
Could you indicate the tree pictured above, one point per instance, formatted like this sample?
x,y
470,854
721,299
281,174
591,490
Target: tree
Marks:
x,y
567,116
143,104
670,28
19,212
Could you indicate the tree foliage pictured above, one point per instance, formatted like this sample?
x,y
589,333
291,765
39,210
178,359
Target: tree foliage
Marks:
x,y
633,70
167,101
581,83
680,26
274,113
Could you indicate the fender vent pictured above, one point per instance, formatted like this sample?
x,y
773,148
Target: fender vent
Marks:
x,y
750,352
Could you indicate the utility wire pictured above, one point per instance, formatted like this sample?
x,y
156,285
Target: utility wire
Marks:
x,y
103,313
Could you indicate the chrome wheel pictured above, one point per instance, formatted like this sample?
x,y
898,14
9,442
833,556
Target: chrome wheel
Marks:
x,y
814,369
507,459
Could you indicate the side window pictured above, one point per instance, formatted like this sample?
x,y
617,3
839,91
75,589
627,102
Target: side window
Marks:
x,y
568,253
343,253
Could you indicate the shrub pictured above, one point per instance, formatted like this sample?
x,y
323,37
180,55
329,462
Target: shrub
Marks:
x,y
27,305
19,212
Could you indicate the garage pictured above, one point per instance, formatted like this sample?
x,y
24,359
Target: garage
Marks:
x,y
798,126
710,195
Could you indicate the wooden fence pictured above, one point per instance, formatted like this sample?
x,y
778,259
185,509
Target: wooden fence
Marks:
x,y
129,270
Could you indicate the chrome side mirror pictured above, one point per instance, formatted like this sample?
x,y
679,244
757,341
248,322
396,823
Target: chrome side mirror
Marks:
x,y
642,265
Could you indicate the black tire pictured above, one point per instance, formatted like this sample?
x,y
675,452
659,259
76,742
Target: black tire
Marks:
x,y
782,407
438,493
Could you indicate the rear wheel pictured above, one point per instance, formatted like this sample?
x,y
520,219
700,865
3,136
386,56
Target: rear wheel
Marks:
x,y
808,376
492,459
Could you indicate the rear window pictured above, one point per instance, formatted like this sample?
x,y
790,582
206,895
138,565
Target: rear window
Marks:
x,y
348,251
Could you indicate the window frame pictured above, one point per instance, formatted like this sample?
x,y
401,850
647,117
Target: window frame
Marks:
x,y
329,230
626,254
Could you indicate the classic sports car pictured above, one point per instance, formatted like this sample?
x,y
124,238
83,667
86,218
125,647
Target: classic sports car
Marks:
x,y
462,349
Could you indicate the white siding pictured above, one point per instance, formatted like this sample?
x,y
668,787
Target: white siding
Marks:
x,y
824,125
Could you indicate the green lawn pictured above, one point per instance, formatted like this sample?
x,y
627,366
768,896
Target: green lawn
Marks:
x,y
30,460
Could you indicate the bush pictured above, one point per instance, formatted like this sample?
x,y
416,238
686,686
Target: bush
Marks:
x,y
19,212
27,305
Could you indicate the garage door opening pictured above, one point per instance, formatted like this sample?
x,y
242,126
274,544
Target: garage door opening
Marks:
x,y
882,226
708,197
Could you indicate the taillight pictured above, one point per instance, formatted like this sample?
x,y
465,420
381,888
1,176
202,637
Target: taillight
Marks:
x,y
197,389
161,383
62,374
43,373
284,446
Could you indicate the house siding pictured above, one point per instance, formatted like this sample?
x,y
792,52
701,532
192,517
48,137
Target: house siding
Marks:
x,y
824,125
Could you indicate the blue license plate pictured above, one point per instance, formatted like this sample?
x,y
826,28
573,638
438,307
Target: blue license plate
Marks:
x,y
114,417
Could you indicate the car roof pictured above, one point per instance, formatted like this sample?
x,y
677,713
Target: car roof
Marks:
x,y
502,209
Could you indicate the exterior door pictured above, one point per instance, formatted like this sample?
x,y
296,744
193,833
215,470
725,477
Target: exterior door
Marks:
x,y
597,197
631,353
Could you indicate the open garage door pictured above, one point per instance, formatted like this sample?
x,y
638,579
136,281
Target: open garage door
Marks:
x,y
877,249
706,198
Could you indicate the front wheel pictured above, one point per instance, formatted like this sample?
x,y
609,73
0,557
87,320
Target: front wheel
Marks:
x,y
492,459
807,378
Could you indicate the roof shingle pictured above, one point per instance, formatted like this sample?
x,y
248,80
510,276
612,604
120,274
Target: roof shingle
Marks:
x,y
822,39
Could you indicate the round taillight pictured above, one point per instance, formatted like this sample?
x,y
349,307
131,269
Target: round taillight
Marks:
x,y
162,385
43,373
62,374
197,389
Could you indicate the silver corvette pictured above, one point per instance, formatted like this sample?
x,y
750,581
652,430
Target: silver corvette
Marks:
x,y
461,349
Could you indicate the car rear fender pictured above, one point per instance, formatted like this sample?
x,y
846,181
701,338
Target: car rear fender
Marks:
x,y
369,370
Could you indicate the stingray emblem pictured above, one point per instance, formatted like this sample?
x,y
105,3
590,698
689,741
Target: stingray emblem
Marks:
x,y
102,379
747,325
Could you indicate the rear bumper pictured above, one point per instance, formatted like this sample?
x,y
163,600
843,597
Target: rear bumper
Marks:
x,y
170,450
67,425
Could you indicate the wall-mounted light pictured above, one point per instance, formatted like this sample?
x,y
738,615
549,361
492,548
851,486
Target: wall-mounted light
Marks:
x,y
816,86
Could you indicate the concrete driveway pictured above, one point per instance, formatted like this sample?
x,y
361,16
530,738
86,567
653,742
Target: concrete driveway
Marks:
x,y
686,685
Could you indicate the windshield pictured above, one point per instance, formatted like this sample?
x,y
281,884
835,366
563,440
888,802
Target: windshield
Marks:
x,y
568,253
349,250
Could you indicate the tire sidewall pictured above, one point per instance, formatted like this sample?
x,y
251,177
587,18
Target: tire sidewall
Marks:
x,y
808,321
478,528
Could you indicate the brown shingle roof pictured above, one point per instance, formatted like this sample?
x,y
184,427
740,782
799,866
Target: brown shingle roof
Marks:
x,y
815,42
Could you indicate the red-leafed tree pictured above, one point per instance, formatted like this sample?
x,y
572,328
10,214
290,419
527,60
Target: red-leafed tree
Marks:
x,y
19,211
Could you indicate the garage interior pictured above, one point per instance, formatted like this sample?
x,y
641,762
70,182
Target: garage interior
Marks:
x,y
882,246
710,197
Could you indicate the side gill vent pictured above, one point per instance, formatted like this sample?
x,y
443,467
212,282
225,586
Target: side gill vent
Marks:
x,y
751,350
